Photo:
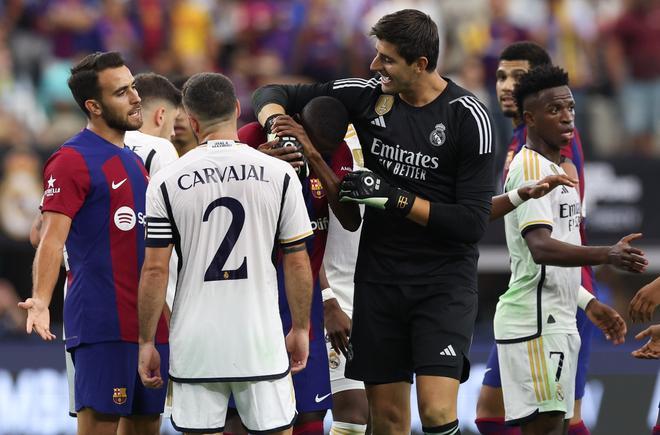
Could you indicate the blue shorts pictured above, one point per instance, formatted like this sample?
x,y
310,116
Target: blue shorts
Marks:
x,y
312,385
585,328
107,380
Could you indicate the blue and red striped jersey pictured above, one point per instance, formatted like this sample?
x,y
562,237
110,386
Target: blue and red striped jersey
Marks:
x,y
102,188
575,154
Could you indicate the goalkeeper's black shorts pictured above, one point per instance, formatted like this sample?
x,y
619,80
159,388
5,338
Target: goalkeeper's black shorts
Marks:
x,y
399,330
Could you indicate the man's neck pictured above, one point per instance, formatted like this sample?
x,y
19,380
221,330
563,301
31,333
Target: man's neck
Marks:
x,y
225,133
150,130
115,137
537,144
425,90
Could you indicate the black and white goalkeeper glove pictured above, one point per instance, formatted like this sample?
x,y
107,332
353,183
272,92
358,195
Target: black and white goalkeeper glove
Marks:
x,y
365,187
287,141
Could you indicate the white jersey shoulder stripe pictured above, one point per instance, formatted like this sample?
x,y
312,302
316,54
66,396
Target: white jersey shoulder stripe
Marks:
x,y
481,118
355,83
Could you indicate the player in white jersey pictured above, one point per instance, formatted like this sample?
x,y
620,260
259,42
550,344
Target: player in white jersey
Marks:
x,y
225,207
534,321
160,107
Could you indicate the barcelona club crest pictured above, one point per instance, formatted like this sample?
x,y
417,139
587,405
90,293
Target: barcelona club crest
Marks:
x,y
119,396
316,188
438,136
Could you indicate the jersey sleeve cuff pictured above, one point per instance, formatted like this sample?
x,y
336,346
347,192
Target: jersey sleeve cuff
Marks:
x,y
296,240
58,209
535,225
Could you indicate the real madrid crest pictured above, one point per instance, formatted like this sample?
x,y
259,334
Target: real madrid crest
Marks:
x,y
438,135
384,104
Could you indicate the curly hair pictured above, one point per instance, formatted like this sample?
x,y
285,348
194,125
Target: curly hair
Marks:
x,y
536,80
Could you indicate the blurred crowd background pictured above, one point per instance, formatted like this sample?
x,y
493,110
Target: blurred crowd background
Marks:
x,y
611,49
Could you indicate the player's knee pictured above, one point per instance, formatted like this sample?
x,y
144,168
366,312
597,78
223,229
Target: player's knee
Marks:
x,y
436,413
387,417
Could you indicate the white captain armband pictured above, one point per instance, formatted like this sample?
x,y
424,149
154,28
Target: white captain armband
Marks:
x,y
514,197
327,294
584,297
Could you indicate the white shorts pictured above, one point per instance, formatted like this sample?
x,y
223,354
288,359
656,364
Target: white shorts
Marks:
x,y
262,405
538,376
70,377
338,381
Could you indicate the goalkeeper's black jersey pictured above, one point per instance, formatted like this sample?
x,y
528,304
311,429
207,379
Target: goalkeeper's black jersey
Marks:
x,y
442,152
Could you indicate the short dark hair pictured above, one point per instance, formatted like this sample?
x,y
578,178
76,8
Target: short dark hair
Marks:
x,y
84,80
209,96
413,33
526,50
325,117
151,86
179,81
536,80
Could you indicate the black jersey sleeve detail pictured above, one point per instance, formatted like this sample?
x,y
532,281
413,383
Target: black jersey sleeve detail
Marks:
x,y
467,219
354,93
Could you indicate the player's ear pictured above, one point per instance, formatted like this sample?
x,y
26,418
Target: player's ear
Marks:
x,y
238,109
159,116
420,64
528,118
93,107
194,125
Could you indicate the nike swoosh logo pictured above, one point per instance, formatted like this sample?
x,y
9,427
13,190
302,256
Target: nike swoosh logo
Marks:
x,y
118,185
488,369
318,399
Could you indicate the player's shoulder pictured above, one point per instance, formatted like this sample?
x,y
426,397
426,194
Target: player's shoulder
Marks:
x,y
369,86
461,100
252,134
137,138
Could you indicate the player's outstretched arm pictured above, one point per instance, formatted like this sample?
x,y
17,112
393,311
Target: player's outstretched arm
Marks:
x,y
507,202
298,283
348,214
151,299
46,269
549,251
607,320
645,302
651,350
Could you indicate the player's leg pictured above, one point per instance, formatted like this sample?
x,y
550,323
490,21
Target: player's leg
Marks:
x,y
148,403
490,405
350,410
105,375
538,382
233,423
382,354
585,328
442,321
91,422
546,423
389,407
199,408
266,406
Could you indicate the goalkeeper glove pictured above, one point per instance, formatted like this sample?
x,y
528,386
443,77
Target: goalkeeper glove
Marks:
x,y
287,141
365,187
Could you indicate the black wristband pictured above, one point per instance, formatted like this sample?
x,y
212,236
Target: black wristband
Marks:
x,y
400,201
268,125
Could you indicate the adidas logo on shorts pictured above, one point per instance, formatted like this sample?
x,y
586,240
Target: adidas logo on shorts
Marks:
x,y
448,351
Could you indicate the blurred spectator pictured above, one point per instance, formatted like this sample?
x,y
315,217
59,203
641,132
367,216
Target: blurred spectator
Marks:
x,y
12,318
192,38
20,194
634,67
71,26
116,31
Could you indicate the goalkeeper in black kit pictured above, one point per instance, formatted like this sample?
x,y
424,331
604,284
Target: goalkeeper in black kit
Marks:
x,y
428,145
